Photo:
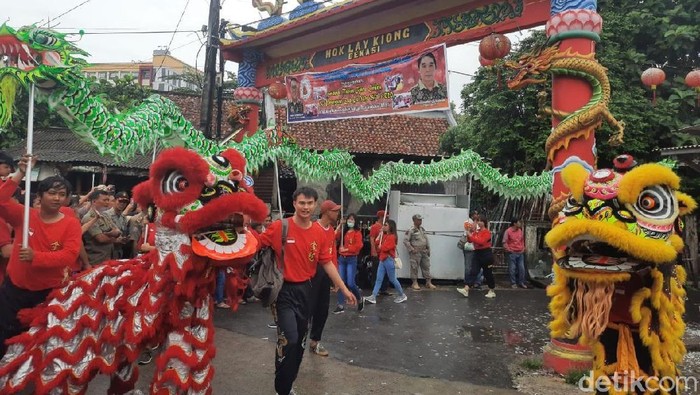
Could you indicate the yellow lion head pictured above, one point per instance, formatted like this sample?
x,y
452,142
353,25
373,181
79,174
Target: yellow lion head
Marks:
x,y
619,220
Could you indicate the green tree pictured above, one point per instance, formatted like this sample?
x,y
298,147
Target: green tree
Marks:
x,y
197,79
503,125
118,95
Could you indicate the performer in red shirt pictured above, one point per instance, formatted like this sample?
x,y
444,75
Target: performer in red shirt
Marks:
x,y
386,248
321,284
53,247
5,246
347,262
480,236
306,248
374,231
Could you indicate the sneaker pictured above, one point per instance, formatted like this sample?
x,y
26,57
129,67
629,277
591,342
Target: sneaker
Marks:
x,y
514,286
272,325
339,309
523,286
415,286
464,291
223,305
318,349
360,304
371,299
401,299
146,358
490,294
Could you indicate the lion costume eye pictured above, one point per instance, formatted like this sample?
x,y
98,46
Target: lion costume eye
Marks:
x,y
174,182
656,202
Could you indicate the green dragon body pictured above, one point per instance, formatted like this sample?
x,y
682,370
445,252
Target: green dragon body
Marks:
x,y
47,60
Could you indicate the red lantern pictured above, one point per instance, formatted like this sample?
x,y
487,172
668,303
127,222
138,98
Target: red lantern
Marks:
x,y
486,62
653,77
693,81
494,46
277,90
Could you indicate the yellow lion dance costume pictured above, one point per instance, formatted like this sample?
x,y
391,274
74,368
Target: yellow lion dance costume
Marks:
x,y
617,286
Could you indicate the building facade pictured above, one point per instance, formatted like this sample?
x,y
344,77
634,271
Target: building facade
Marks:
x,y
156,74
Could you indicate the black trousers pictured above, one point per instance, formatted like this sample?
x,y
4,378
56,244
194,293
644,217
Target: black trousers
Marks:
x,y
12,300
290,312
483,260
318,303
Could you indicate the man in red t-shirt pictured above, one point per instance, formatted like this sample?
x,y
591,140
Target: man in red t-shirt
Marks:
x,y
46,263
307,247
374,232
321,284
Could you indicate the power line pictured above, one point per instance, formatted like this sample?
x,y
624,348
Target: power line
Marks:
x,y
182,14
84,2
173,32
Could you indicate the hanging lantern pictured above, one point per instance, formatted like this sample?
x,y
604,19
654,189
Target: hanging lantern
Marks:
x,y
652,77
486,62
494,46
693,81
277,90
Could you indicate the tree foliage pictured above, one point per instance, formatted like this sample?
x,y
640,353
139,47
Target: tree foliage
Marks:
x,y
503,125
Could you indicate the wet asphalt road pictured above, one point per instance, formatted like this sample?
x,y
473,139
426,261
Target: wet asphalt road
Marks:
x,y
438,334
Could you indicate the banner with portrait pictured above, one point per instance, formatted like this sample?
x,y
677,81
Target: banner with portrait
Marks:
x,y
410,83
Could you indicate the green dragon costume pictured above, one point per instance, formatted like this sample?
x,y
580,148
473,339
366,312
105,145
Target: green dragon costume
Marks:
x,y
46,59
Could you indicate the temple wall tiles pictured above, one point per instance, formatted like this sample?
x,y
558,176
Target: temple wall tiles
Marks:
x,y
558,6
247,69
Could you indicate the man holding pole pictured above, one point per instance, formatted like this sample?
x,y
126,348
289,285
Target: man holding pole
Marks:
x,y
46,258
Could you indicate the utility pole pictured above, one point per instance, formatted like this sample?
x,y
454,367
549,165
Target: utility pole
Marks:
x,y
220,84
205,112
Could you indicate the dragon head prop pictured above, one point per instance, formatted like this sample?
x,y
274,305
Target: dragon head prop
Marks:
x,y
206,199
531,69
32,55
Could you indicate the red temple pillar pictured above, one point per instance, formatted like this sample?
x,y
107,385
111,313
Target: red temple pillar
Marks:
x,y
575,25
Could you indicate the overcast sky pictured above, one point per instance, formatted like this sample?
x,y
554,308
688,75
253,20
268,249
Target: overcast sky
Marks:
x,y
109,16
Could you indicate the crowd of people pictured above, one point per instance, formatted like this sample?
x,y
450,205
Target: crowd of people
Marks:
x,y
70,234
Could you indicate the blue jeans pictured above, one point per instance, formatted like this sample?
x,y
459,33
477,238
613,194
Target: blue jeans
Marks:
x,y
387,267
468,262
220,281
516,268
347,268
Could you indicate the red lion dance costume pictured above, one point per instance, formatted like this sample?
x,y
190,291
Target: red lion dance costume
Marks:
x,y
101,320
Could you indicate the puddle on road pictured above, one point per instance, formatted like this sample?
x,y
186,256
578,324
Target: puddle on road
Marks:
x,y
511,338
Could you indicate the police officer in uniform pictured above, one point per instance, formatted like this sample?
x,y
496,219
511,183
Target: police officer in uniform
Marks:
x,y
416,241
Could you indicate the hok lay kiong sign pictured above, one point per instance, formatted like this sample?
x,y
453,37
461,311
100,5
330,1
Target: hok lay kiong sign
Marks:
x,y
412,83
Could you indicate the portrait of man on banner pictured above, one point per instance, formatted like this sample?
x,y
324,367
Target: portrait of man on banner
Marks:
x,y
295,105
428,88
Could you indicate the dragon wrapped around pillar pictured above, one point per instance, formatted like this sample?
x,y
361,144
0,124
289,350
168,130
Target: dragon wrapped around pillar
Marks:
x,y
100,321
581,123
617,286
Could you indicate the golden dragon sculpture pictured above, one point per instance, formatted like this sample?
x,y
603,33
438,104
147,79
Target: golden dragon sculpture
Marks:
x,y
532,69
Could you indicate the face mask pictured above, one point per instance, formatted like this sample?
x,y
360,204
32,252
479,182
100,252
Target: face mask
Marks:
x,y
351,224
